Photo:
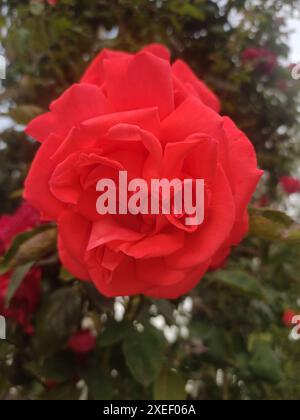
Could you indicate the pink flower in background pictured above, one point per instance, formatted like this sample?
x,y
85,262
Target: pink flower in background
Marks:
x,y
52,2
290,185
262,59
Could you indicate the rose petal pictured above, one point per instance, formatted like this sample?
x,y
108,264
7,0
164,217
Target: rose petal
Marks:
x,y
184,73
212,234
159,50
243,164
95,72
141,82
188,280
77,104
109,229
146,119
164,243
73,243
191,117
37,190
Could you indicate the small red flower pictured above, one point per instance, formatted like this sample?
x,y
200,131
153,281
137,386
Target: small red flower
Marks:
x,y
262,59
82,342
50,2
51,384
290,185
263,201
26,217
25,301
288,317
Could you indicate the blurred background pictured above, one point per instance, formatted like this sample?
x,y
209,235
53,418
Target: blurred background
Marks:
x,y
231,338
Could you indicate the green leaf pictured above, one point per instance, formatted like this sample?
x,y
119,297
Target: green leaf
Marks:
x,y
35,248
169,386
213,338
17,242
57,319
242,364
16,280
60,368
115,333
144,354
276,216
264,363
29,246
240,281
189,10
100,302
272,225
99,383
265,228
4,382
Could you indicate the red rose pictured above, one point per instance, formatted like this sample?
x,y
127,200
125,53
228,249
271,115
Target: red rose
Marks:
x,y
82,342
290,185
288,317
24,218
155,120
262,59
25,301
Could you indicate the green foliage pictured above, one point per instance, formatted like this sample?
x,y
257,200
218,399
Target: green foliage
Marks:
x,y
98,381
274,226
144,354
240,281
61,308
16,279
228,340
169,386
